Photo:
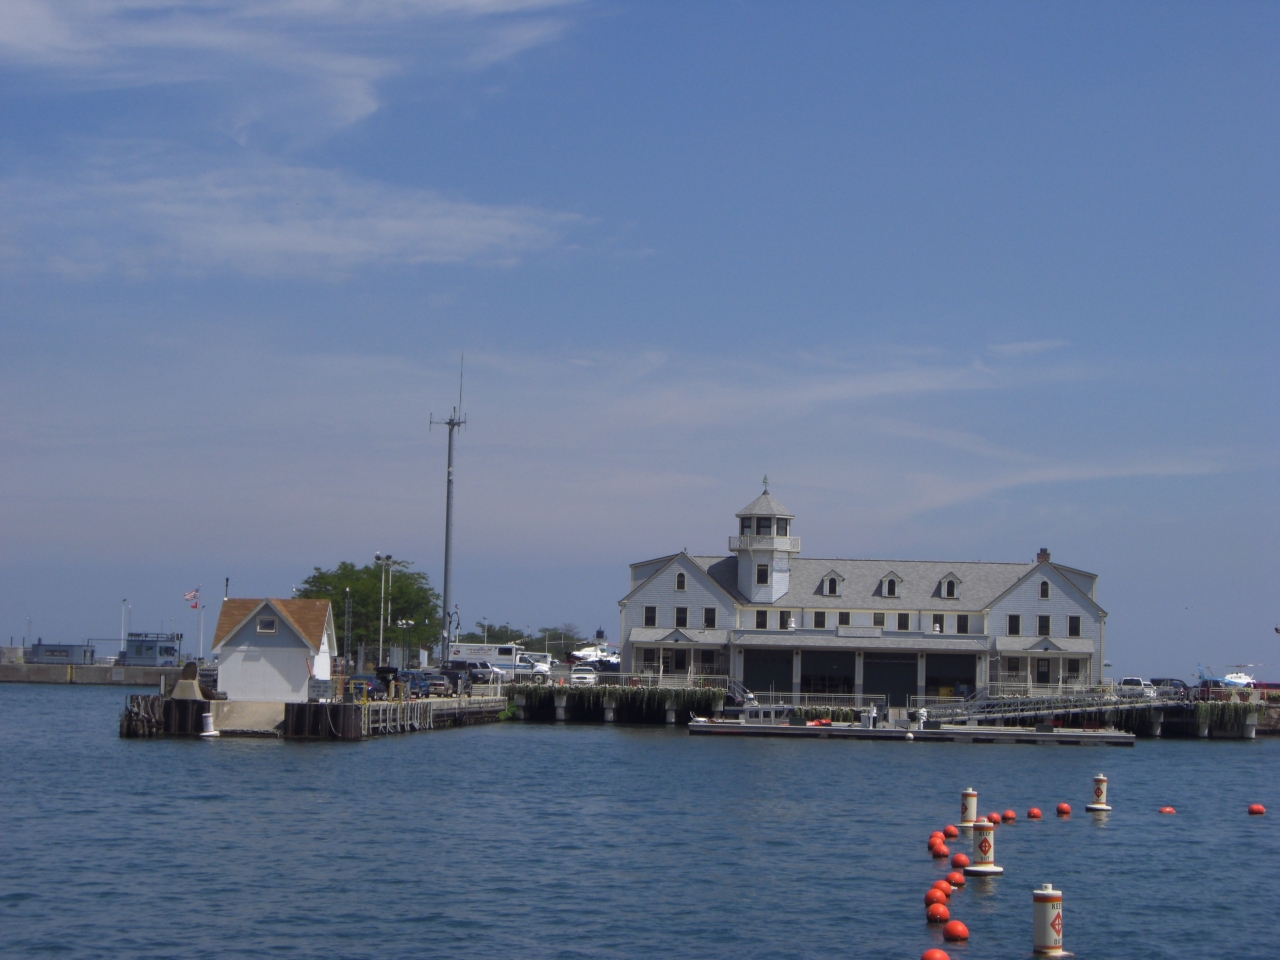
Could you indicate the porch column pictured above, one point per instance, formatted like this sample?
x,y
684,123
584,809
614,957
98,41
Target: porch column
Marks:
x,y
920,688
857,673
795,672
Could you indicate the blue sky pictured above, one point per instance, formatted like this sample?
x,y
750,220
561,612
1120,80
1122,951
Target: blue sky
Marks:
x,y
964,280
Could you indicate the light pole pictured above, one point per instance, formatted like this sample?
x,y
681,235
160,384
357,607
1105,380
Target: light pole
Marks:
x,y
122,606
200,649
456,420
384,605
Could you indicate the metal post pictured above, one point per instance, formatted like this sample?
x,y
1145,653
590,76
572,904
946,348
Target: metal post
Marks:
x,y
456,420
347,626
382,600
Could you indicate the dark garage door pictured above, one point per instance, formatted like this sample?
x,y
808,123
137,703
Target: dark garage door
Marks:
x,y
949,674
890,674
828,671
765,670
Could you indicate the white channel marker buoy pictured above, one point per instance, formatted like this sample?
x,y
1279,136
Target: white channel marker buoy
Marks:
x,y
1047,905
968,808
1099,804
984,852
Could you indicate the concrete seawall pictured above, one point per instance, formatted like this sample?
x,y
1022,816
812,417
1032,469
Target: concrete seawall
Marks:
x,y
104,675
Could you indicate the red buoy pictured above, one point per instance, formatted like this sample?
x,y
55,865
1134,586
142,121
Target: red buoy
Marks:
x,y
935,954
1064,809
937,913
1010,816
937,833
1033,813
994,818
1256,809
934,895
944,886
1168,810
960,861
940,851
951,831
955,930
955,877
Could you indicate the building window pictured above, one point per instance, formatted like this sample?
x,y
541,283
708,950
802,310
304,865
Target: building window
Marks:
x,y
266,624
650,616
650,656
682,616
762,572
1011,665
939,623
782,526
820,620
962,623
877,619
833,586
1073,669
679,581
762,619
1042,625
1044,589
951,590
1073,626
890,587
784,619
844,618
904,621
708,618
764,526
744,526
1015,625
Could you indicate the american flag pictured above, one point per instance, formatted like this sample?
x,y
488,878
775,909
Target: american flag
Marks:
x,y
193,596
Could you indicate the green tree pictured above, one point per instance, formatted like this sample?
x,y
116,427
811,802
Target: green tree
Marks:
x,y
411,596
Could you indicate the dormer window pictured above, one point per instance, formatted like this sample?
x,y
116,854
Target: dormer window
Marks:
x,y
764,526
830,584
950,590
1044,589
782,526
679,581
833,586
891,587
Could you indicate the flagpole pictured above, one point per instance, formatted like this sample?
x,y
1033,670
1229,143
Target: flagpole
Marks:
x,y
200,649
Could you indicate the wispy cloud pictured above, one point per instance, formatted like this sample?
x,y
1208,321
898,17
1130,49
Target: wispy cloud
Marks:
x,y
1023,347
264,220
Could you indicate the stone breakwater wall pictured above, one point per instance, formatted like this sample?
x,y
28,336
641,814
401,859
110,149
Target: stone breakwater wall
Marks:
x,y
83,674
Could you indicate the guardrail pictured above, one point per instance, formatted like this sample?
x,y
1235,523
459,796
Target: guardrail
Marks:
x,y
915,703
1019,688
673,680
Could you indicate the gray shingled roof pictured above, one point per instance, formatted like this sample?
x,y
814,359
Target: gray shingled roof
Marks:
x,y
981,583
765,506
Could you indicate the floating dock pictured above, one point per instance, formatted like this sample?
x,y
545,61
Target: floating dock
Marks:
x,y
947,734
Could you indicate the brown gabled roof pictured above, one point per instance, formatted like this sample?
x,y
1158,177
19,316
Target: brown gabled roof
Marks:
x,y
307,617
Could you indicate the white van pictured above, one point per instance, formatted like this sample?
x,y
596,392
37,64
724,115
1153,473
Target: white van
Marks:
x,y
511,659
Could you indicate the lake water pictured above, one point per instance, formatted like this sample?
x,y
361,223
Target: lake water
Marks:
x,y
516,840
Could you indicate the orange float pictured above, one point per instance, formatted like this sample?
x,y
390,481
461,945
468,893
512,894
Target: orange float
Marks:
x,y
956,878
933,896
937,913
935,954
1009,816
1064,809
955,930
959,861
1257,810
951,831
1033,813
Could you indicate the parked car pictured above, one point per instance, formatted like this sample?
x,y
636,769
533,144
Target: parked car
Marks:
x,y
1135,687
459,676
423,684
583,675
1170,687
436,685
377,690
484,672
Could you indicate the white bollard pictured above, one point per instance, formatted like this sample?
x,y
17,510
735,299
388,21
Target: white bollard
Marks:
x,y
984,852
1047,904
1099,804
208,731
968,808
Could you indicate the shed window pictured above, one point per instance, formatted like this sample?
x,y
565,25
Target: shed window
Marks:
x,y
762,573
762,619
764,526
820,620
1015,625
266,624
962,623
904,621
682,616
951,589
877,619
844,618
1042,624
891,587
679,581
1073,626
1044,589
782,526
650,616
709,618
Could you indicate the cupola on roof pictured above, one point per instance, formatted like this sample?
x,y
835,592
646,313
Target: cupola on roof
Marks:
x,y
765,506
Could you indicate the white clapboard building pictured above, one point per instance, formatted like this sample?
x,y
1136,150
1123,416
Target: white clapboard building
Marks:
x,y
777,621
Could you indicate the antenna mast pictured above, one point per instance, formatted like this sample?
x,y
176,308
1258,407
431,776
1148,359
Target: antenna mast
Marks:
x,y
455,421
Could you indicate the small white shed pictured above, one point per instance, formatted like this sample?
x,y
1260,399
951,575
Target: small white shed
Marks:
x,y
267,649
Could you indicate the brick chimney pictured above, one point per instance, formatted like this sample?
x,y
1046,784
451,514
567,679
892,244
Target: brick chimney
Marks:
x,y
1043,555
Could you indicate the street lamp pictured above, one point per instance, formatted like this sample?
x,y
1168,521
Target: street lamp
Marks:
x,y
384,576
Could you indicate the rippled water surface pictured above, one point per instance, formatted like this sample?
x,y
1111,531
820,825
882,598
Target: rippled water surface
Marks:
x,y
516,840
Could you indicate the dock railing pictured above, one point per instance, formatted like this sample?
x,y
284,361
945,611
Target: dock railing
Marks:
x,y
847,701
